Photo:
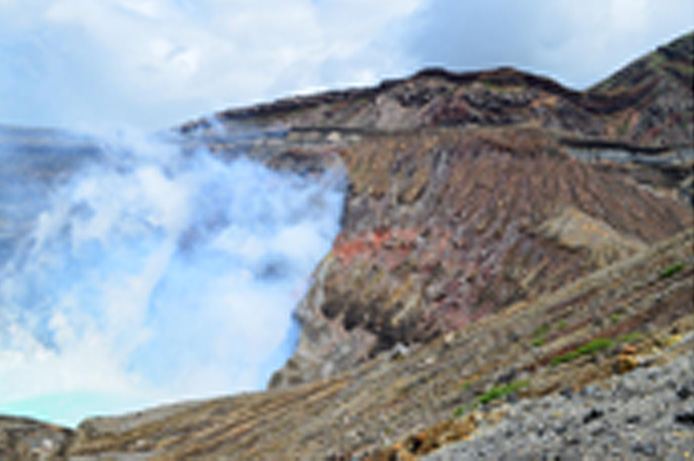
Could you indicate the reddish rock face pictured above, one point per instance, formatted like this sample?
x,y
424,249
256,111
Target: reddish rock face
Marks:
x,y
471,192
444,227
479,205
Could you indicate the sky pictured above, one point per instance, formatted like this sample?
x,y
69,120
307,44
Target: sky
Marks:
x,y
154,64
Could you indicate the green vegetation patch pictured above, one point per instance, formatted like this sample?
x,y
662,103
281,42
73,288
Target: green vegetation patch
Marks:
x,y
539,335
498,392
537,342
592,347
671,270
495,393
460,411
630,337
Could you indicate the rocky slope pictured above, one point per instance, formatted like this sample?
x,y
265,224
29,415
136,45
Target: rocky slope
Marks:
x,y
654,404
501,235
636,313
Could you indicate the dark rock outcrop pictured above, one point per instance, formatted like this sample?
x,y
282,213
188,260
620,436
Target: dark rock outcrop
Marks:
x,y
23,438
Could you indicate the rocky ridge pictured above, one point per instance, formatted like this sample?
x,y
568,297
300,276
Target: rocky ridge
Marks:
x,y
502,235
614,109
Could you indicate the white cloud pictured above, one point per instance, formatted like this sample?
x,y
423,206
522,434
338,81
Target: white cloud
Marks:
x,y
577,43
629,15
155,63
160,62
601,36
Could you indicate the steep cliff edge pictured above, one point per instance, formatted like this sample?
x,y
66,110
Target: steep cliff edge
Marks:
x,y
465,195
444,227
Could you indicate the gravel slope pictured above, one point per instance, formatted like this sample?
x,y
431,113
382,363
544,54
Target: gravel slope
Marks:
x,y
646,414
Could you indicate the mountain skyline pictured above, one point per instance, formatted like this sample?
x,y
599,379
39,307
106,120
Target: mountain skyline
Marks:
x,y
158,63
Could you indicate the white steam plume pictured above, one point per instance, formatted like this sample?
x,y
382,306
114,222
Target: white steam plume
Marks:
x,y
153,275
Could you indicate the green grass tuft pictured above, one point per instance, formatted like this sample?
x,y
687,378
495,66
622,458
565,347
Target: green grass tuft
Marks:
x,y
592,347
498,392
537,342
460,411
630,337
671,270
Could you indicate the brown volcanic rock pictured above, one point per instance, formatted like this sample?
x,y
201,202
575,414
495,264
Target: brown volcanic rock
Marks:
x,y
412,398
662,115
649,103
444,227
24,438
